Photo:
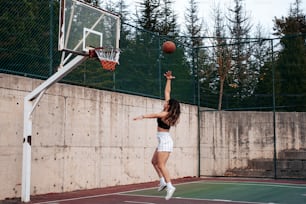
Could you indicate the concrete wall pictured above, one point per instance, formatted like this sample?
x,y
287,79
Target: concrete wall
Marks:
x,y
242,144
85,138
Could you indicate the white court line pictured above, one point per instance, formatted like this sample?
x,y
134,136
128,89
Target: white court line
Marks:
x,y
76,198
265,184
200,199
138,202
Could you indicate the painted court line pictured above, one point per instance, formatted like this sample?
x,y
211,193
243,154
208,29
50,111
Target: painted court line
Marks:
x,y
250,183
198,199
76,198
260,184
95,196
221,200
138,202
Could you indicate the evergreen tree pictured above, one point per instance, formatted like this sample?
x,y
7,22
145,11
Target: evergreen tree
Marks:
x,y
193,41
262,62
93,2
158,22
194,31
241,73
167,19
25,37
292,59
147,16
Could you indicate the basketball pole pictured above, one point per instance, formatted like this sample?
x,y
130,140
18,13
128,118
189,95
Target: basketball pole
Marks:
x,y
30,102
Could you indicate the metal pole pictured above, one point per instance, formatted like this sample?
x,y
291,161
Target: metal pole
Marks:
x,y
159,67
29,106
51,38
194,75
26,160
199,115
274,122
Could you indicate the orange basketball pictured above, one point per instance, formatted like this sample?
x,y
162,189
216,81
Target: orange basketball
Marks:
x,y
169,47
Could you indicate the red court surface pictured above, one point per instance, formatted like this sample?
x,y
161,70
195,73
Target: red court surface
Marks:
x,y
118,194
112,195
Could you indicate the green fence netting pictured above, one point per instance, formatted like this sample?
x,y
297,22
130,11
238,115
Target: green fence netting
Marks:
x,y
268,78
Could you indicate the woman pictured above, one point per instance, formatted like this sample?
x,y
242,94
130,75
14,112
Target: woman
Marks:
x,y
165,119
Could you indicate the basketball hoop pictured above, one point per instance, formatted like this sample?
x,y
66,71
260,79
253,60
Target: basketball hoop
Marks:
x,y
108,57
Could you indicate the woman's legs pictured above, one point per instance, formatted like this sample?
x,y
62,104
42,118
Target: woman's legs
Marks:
x,y
159,161
162,182
154,163
162,158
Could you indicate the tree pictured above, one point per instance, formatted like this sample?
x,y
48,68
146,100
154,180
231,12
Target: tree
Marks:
x,y
239,28
93,2
193,33
193,41
222,53
25,37
147,16
157,23
167,19
292,59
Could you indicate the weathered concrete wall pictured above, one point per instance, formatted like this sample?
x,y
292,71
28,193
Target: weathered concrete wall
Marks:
x,y
242,144
85,138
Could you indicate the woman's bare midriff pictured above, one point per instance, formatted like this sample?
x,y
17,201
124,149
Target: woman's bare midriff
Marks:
x,y
159,129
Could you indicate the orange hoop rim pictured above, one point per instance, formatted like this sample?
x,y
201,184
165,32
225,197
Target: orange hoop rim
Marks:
x,y
108,65
108,57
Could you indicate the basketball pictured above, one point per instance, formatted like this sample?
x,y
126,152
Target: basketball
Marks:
x,y
169,47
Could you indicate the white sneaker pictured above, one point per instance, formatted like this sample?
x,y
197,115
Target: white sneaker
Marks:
x,y
170,192
161,187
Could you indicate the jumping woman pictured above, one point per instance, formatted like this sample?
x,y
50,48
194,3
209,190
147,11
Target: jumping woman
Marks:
x,y
168,117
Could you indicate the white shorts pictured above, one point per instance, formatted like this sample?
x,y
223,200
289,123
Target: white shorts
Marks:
x,y
165,142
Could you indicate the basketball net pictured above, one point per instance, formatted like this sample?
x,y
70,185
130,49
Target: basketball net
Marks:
x,y
108,57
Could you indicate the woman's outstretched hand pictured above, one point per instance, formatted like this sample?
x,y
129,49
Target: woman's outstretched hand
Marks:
x,y
168,75
138,118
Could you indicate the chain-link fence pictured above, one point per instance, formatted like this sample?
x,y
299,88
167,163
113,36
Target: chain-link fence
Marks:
x,y
244,74
253,74
29,38
261,84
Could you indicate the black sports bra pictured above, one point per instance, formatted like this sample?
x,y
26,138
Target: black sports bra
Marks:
x,y
162,124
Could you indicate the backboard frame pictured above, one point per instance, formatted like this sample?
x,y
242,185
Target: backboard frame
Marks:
x,y
100,28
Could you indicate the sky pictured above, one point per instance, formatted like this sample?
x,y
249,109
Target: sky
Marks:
x,y
259,11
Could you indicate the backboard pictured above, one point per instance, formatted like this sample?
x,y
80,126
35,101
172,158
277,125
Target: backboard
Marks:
x,y
83,26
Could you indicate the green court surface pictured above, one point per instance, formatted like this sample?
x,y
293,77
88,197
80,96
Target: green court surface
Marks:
x,y
240,192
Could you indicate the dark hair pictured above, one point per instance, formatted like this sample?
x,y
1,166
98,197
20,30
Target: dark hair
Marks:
x,y
174,112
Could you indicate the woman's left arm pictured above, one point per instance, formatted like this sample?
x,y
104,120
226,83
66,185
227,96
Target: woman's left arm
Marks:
x,y
152,115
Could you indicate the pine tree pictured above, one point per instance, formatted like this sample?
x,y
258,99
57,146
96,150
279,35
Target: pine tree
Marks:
x,y
239,28
292,59
194,30
147,16
262,63
193,41
167,19
25,37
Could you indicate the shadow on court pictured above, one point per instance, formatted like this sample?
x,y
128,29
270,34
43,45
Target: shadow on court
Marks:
x,y
189,191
